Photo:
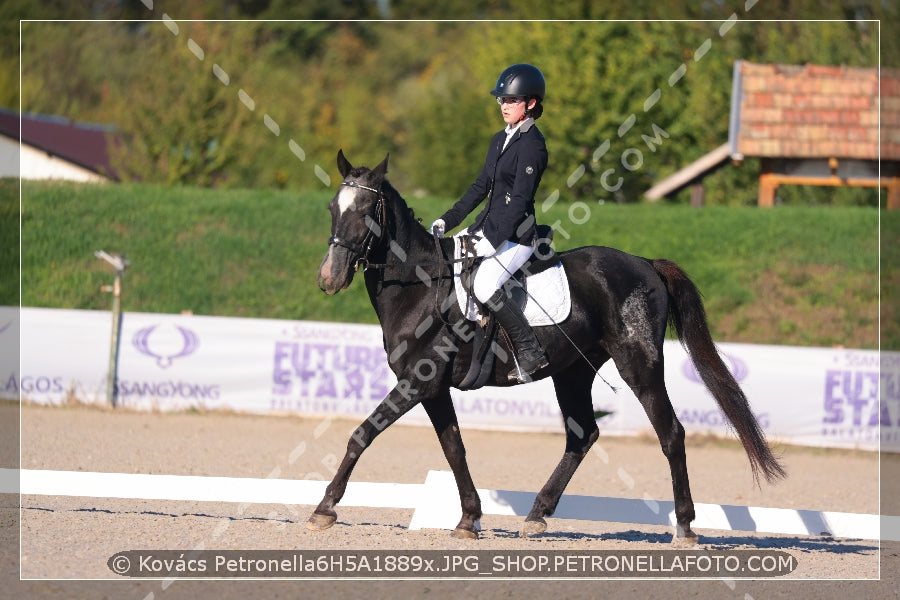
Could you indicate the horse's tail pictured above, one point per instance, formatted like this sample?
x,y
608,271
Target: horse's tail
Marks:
x,y
687,315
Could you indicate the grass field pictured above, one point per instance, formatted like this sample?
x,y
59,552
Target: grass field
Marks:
x,y
789,275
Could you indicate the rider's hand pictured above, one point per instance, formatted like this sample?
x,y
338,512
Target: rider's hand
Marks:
x,y
438,228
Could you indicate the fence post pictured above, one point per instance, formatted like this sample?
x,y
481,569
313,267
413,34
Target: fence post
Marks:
x,y
119,264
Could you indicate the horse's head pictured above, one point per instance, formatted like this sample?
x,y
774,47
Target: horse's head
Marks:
x,y
357,220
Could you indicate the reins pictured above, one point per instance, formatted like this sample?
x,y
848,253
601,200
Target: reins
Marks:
x,y
428,263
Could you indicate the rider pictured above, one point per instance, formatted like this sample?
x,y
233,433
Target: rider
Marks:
x,y
516,159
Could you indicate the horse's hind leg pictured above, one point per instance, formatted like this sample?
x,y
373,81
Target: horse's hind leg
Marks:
x,y
395,405
573,392
646,380
443,417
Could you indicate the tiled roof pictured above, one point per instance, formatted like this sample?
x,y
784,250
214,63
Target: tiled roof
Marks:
x,y
83,144
814,111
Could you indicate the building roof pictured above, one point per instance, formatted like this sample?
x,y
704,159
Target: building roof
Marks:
x,y
814,111
83,144
802,111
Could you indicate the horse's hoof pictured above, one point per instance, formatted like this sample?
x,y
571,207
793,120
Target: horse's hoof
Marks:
x,y
536,527
689,539
462,533
318,522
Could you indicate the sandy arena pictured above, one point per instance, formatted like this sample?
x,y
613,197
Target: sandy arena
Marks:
x,y
71,538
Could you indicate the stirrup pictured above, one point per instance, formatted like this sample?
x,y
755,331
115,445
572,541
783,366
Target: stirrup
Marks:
x,y
524,375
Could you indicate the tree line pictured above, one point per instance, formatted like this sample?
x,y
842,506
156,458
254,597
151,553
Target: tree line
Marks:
x,y
263,103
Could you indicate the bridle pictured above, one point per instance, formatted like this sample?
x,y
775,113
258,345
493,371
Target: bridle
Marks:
x,y
374,226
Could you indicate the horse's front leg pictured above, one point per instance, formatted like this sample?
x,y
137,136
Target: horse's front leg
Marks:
x,y
443,417
573,392
397,403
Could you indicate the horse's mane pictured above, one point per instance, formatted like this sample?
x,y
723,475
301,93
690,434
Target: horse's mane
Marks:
x,y
391,191
401,207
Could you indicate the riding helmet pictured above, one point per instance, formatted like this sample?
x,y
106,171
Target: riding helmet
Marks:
x,y
520,80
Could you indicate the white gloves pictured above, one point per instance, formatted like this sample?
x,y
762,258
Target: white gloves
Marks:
x,y
484,248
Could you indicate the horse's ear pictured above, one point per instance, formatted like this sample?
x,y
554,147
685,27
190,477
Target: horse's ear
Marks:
x,y
343,164
382,167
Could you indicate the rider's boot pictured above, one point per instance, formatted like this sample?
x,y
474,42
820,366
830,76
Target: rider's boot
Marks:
x,y
530,354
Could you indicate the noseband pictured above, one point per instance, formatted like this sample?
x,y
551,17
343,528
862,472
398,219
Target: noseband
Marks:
x,y
374,225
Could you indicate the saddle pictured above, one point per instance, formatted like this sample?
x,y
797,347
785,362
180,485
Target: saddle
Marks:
x,y
543,258
485,346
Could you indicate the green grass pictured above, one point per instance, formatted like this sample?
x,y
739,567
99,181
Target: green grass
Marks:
x,y
9,249
789,275
239,253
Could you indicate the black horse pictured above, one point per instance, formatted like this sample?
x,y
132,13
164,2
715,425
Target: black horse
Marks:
x,y
620,308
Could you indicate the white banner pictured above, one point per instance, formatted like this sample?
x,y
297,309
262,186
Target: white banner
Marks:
x,y
811,396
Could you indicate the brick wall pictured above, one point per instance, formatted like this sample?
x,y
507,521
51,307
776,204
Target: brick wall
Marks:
x,y
820,111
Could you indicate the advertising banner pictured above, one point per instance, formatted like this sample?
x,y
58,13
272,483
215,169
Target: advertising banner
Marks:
x,y
829,397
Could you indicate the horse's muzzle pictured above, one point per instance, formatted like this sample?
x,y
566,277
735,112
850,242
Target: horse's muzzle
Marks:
x,y
334,272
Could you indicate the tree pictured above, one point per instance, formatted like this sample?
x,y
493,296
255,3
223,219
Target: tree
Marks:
x,y
628,102
178,123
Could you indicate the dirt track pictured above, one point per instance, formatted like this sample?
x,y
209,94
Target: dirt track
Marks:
x,y
72,538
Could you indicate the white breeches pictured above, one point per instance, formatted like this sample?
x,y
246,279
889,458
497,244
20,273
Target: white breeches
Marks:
x,y
496,269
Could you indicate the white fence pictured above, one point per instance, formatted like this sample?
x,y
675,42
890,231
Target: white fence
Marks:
x,y
813,396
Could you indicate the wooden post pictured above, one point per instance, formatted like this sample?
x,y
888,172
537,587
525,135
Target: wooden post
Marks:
x,y
698,193
768,183
114,338
893,198
119,264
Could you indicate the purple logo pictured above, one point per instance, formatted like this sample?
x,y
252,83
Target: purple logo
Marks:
x,y
736,366
5,327
167,344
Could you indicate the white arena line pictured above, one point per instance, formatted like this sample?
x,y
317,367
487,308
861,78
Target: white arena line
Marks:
x,y
436,502
204,489
443,512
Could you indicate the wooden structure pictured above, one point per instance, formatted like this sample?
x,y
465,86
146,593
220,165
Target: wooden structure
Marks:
x,y
808,125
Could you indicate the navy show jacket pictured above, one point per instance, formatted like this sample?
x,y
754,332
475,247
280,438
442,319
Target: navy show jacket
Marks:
x,y
509,180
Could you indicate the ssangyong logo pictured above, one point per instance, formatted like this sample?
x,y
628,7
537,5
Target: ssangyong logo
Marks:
x,y
165,344
737,367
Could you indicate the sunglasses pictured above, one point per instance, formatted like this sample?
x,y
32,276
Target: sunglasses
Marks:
x,y
510,100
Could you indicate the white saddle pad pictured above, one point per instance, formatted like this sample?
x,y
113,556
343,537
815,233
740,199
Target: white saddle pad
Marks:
x,y
548,300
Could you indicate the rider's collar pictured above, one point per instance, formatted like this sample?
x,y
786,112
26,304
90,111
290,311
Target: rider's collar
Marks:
x,y
523,126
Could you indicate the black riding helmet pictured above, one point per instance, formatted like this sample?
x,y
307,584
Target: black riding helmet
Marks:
x,y
520,80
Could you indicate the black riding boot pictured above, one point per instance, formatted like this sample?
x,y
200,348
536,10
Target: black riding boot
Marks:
x,y
529,353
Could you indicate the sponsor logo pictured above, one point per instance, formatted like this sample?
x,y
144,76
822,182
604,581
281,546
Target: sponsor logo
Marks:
x,y
177,390
43,384
860,402
853,410
714,419
165,344
736,366
328,378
